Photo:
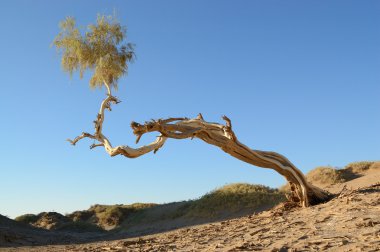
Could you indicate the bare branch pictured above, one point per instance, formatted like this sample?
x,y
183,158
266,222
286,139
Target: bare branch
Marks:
x,y
228,129
92,146
224,137
138,138
84,135
200,117
216,134
136,152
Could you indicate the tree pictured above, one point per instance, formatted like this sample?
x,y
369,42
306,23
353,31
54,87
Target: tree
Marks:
x,y
102,51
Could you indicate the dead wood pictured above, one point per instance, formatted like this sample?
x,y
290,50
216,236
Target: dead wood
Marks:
x,y
220,135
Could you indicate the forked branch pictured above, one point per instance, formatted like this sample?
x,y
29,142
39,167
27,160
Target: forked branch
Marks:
x,y
101,140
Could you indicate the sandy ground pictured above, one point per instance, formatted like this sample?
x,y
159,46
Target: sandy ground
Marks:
x,y
350,222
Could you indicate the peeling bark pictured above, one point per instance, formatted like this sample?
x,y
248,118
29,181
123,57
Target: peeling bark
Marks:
x,y
216,134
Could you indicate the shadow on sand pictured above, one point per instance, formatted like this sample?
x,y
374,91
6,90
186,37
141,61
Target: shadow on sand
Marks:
x,y
15,234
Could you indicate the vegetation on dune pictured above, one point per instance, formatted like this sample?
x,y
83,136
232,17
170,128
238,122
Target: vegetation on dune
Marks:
x,y
46,220
113,215
97,218
27,218
229,200
375,166
360,167
328,175
235,198
81,216
224,202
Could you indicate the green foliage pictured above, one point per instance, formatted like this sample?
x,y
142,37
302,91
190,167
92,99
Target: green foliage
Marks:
x,y
101,49
234,198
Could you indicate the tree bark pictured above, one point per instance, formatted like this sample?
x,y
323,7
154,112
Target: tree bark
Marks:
x,y
216,134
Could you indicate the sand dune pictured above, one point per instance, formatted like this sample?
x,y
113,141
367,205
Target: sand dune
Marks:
x,y
349,222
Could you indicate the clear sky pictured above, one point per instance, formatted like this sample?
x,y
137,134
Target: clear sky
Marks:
x,y
297,77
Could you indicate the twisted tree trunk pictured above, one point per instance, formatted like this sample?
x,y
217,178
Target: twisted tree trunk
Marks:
x,y
212,133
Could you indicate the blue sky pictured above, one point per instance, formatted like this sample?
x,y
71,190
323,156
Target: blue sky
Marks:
x,y
297,77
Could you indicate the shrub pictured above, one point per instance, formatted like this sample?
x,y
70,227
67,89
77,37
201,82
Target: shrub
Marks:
x,y
50,220
234,198
27,218
326,175
81,215
113,215
359,167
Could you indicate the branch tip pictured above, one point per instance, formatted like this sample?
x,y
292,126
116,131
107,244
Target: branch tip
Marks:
x,y
138,138
70,141
228,121
92,146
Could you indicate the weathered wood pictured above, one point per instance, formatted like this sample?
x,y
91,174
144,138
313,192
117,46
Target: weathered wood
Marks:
x,y
216,134
223,137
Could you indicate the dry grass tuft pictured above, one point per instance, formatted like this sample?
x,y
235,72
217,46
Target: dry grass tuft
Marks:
x,y
114,215
235,198
27,218
326,175
56,221
359,167
375,166
322,176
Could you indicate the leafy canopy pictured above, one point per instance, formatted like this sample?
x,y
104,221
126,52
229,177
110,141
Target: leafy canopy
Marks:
x,y
101,49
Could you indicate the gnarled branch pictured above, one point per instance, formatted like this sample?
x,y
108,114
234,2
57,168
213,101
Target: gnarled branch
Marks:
x,y
223,137
216,134
103,141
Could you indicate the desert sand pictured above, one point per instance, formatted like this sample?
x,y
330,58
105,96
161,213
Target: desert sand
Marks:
x,y
349,222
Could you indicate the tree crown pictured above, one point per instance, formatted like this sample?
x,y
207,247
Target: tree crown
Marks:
x,y
101,49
